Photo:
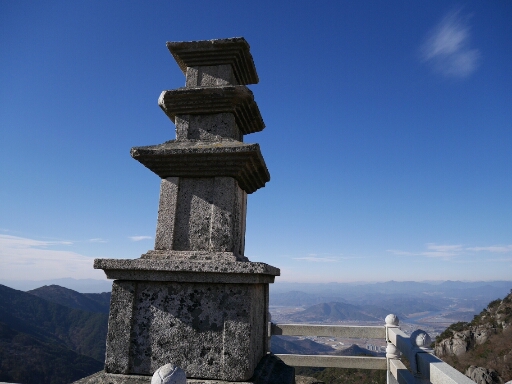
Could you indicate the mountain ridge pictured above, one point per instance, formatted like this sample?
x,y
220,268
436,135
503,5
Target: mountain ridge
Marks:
x,y
45,342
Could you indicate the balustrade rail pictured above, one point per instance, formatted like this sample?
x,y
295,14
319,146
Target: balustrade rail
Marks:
x,y
425,367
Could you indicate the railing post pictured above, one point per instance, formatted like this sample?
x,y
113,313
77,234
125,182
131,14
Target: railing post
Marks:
x,y
420,341
392,351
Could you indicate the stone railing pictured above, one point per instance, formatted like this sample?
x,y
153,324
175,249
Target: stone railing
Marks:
x,y
424,367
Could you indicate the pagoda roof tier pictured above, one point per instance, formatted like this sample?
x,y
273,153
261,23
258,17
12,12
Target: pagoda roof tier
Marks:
x,y
237,99
234,51
243,162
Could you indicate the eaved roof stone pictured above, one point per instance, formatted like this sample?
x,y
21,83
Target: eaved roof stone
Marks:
x,y
238,100
234,51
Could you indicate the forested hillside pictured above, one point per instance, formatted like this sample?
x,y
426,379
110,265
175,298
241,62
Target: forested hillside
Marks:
x,y
45,342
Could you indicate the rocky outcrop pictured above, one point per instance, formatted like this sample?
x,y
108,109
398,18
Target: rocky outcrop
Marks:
x,y
481,375
484,344
461,342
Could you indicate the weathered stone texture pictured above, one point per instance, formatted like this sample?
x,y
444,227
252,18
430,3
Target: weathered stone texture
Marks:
x,y
210,76
482,375
166,213
215,127
119,324
206,53
236,99
194,159
270,370
210,211
209,330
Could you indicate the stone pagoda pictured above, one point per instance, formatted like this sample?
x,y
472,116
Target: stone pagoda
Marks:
x,y
196,301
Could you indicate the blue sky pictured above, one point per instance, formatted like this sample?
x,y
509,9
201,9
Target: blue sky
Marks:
x,y
388,134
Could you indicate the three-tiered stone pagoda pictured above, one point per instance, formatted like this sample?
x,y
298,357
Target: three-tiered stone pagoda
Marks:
x,y
195,300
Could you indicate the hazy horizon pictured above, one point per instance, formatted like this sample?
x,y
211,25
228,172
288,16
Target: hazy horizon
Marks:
x,y
82,285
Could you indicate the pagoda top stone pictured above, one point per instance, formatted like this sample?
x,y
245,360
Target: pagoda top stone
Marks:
x,y
206,53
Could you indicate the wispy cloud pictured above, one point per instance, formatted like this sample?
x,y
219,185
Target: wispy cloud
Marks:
x,y
433,250
97,240
29,259
324,259
492,249
139,238
447,48
449,251
317,259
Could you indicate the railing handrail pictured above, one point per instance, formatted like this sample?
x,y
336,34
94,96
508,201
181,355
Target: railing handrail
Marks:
x,y
355,331
359,362
425,366
348,331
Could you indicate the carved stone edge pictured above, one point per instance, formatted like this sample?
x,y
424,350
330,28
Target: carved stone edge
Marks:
x,y
234,51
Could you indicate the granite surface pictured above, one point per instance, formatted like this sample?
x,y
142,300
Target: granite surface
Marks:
x,y
212,127
187,270
201,214
205,53
215,331
239,267
235,99
270,370
196,159
210,76
159,254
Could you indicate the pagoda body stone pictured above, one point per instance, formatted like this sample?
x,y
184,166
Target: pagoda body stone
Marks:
x,y
195,301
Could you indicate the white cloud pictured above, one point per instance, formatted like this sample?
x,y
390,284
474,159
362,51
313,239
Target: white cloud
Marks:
x,y
317,259
28,259
97,240
449,251
433,250
444,247
447,47
139,238
324,259
492,249
401,253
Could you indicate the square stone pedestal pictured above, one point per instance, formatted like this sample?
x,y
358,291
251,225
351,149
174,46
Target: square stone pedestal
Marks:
x,y
270,370
208,318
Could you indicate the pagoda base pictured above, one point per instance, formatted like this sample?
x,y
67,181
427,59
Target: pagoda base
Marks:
x,y
270,370
208,318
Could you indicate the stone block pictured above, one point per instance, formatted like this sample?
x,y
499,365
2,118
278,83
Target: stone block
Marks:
x,y
201,214
120,319
210,76
166,213
212,331
213,127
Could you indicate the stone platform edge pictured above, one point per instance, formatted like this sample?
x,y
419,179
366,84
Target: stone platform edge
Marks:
x,y
270,370
237,272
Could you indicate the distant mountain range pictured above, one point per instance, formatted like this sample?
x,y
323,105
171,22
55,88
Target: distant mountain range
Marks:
x,y
78,285
333,312
402,298
43,341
